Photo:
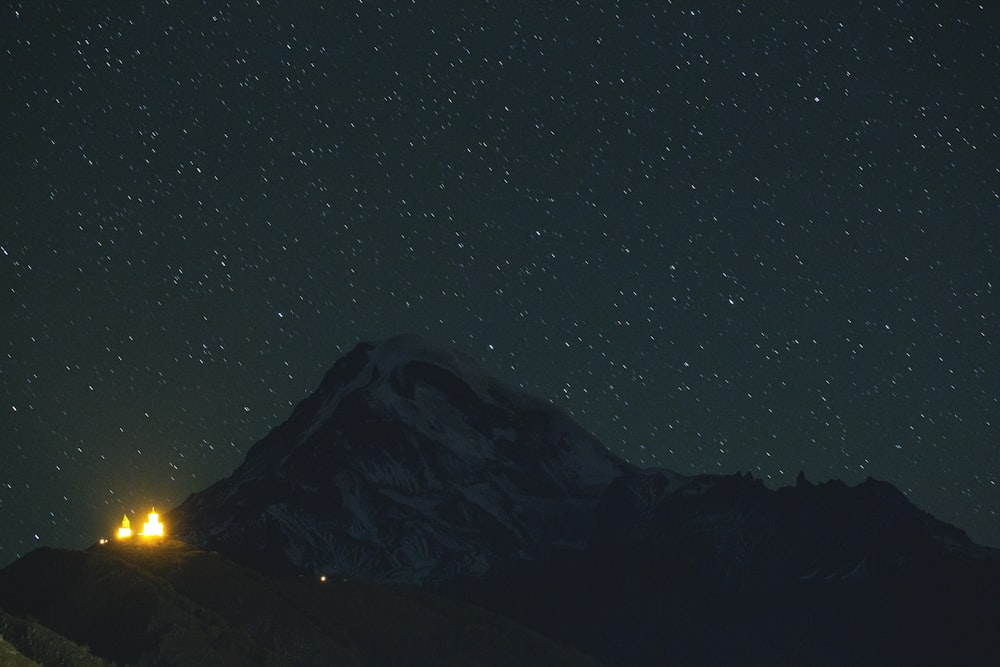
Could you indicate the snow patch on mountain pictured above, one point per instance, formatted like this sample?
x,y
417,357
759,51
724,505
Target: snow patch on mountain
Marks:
x,y
409,462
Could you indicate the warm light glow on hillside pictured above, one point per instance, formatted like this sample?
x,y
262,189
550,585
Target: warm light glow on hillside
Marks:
x,y
153,527
125,530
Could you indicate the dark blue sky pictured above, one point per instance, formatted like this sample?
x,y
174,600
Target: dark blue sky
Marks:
x,y
742,237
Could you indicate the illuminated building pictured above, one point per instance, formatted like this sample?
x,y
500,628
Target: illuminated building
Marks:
x,y
153,527
126,528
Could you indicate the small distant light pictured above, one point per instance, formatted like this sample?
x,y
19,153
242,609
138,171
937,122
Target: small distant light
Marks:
x,y
322,577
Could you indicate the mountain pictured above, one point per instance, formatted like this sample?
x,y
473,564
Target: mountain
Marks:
x,y
460,521
720,570
412,464
408,464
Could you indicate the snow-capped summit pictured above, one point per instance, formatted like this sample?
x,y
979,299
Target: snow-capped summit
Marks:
x,y
409,463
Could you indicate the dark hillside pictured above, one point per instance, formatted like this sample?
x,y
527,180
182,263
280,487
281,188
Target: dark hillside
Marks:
x,y
167,603
26,643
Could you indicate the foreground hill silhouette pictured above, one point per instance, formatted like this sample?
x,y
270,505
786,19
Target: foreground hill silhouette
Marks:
x,y
169,603
451,510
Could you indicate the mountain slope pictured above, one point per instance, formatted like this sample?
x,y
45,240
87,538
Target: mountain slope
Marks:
x,y
24,642
721,570
408,464
122,612
167,603
411,464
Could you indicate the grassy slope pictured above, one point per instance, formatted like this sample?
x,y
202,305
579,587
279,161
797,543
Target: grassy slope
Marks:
x,y
25,642
169,603
11,657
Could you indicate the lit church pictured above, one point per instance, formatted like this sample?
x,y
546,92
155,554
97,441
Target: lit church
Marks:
x,y
151,528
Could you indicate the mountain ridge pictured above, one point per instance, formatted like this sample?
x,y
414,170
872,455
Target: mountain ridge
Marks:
x,y
412,472
409,435
411,464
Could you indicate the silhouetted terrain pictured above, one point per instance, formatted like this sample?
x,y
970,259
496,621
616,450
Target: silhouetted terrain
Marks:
x,y
460,521
168,603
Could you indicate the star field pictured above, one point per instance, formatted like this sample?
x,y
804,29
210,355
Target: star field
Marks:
x,y
726,238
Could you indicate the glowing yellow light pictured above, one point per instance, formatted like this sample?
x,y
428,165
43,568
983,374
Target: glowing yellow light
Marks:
x,y
153,527
125,531
322,577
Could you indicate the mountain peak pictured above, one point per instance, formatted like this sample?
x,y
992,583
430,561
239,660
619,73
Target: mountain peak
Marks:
x,y
402,360
369,361
410,462
404,348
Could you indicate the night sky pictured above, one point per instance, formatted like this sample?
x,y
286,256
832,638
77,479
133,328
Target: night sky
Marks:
x,y
725,236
